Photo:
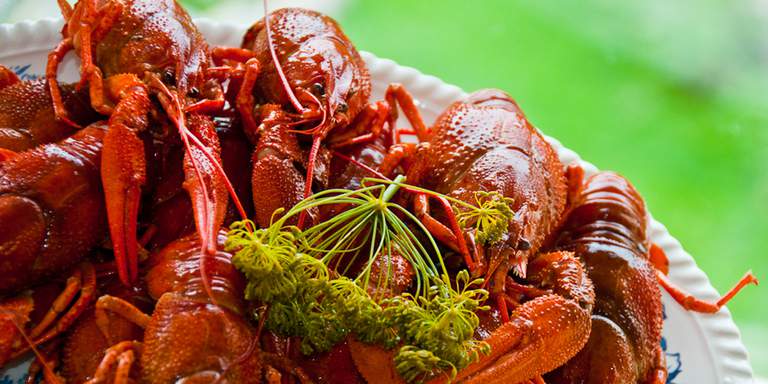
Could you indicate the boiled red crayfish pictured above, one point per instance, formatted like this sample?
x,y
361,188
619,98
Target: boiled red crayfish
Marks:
x,y
301,71
296,74
51,208
484,143
606,229
51,215
130,50
190,336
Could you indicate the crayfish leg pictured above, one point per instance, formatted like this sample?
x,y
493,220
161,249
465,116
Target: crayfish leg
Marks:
x,y
397,94
660,262
46,361
367,127
121,355
658,258
692,303
66,308
396,156
51,73
244,100
118,306
241,67
450,235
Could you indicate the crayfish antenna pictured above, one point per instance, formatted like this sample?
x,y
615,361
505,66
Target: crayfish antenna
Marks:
x,y
212,159
361,165
317,138
205,217
278,67
310,176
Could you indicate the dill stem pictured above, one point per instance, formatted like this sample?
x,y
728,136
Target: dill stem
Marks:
x,y
389,193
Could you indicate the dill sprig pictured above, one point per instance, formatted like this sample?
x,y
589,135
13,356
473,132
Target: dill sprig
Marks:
x,y
307,280
304,300
438,330
370,227
490,217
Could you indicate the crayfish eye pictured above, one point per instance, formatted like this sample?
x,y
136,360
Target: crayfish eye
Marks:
x,y
523,245
318,89
194,92
169,77
342,108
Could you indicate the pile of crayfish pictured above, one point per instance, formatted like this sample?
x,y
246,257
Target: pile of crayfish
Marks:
x,y
195,214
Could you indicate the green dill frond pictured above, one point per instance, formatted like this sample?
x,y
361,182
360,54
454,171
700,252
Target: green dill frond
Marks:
x,y
443,322
490,217
263,255
371,227
362,315
417,365
306,280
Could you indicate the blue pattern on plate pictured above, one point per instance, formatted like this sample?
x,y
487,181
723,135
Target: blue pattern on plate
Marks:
x,y
21,72
8,380
674,362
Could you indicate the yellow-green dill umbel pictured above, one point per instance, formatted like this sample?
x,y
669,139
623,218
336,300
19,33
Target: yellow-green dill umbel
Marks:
x,y
305,278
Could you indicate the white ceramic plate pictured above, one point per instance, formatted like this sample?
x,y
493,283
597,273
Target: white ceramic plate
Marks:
x,y
701,349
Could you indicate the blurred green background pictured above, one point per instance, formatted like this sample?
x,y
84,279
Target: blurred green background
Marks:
x,y
672,94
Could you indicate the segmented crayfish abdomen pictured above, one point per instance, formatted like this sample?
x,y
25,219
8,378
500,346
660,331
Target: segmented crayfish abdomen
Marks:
x,y
606,229
51,208
192,336
198,341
